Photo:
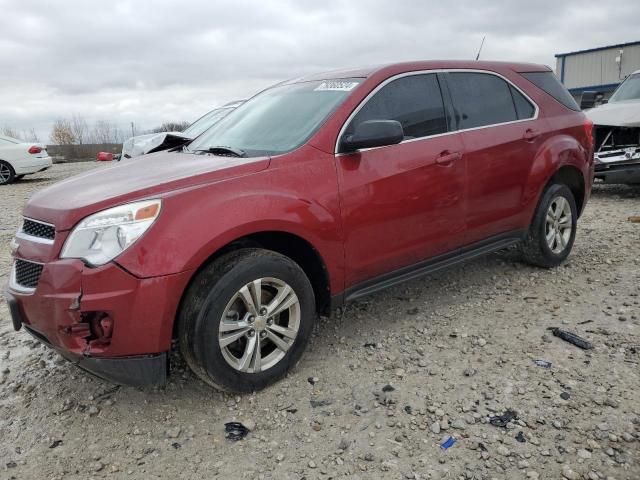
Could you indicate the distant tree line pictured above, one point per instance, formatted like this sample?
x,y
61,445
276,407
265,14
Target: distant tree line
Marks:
x,y
75,130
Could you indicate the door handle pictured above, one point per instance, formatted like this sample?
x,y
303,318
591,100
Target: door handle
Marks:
x,y
448,158
530,134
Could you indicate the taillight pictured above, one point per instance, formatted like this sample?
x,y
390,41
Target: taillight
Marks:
x,y
588,129
33,150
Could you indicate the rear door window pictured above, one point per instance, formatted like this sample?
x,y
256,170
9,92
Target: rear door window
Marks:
x,y
415,101
481,99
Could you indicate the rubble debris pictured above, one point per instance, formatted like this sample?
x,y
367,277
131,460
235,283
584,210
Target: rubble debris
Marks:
x,y
448,443
520,437
235,431
502,420
543,363
320,403
565,395
388,388
55,444
571,338
634,219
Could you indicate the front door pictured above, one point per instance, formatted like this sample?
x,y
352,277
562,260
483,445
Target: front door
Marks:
x,y
402,203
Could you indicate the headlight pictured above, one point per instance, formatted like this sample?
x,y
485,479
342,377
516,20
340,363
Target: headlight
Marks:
x,y
103,236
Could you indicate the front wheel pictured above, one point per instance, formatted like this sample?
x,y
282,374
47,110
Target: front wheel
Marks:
x,y
246,319
553,229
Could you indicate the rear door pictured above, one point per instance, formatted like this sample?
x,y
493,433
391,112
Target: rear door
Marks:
x,y
402,203
501,137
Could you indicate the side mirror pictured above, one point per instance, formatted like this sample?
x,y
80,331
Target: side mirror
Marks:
x,y
373,133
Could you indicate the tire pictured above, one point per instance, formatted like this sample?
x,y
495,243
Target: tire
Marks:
x,y
7,173
536,248
216,292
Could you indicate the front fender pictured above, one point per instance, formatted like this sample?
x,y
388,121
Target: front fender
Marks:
x,y
288,197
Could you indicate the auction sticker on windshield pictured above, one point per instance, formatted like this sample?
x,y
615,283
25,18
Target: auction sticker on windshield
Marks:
x,y
336,86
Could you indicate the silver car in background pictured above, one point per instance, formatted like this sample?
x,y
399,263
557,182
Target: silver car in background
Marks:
x,y
155,142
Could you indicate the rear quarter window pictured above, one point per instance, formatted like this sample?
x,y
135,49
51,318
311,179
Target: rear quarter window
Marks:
x,y
549,83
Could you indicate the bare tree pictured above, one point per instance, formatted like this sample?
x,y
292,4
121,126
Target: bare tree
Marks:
x,y
79,128
106,132
8,131
62,132
171,127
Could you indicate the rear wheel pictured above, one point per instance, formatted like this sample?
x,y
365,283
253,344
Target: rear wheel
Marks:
x,y
7,173
246,319
553,230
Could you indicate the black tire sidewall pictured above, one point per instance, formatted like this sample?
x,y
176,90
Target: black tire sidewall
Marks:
x,y
551,193
205,334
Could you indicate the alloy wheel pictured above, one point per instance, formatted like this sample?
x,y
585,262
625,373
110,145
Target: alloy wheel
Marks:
x,y
259,325
558,224
5,173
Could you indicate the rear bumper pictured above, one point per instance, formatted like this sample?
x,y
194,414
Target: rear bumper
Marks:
x,y
629,174
33,165
104,320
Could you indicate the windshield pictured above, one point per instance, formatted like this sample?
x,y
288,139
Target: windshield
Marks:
x,y
206,121
628,90
277,120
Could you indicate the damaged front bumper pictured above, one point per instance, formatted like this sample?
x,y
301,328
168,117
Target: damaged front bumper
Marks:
x,y
617,154
105,320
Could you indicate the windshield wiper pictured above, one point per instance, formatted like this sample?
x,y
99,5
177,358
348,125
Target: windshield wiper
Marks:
x,y
223,151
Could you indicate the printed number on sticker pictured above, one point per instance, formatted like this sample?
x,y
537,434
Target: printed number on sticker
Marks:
x,y
336,86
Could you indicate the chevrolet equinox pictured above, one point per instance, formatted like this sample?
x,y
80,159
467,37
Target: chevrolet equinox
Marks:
x,y
314,192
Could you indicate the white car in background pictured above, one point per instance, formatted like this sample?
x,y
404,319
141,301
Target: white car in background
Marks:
x,y
155,142
18,158
617,134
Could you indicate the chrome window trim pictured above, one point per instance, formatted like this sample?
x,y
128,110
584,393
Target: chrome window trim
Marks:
x,y
13,283
32,238
424,72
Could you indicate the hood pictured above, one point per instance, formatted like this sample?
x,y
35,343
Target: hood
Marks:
x,y
616,114
65,203
143,144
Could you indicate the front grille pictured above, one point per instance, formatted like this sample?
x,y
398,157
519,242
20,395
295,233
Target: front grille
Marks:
x,y
27,273
38,229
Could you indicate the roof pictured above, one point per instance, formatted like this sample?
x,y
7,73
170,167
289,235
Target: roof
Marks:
x,y
365,72
597,49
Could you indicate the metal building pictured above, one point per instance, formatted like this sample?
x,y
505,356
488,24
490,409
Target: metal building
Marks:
x,y
599,69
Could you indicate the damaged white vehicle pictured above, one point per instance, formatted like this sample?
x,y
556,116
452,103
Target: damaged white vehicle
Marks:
x,y
617,134
155,142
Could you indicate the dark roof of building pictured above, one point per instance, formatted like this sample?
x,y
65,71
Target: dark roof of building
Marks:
x,y
597,49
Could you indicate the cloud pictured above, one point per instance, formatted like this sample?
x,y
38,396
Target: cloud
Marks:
x,y
150,62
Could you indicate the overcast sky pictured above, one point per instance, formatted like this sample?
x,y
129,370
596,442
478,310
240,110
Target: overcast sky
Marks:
x,y
154,61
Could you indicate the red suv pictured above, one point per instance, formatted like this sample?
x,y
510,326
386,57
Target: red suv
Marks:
x,y
317,191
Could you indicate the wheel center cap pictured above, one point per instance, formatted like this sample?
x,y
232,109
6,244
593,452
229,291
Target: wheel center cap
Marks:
x,y
260,323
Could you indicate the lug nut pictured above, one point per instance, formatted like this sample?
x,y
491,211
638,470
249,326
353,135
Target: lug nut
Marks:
x,y
251,318
270,321
263,311
251,333
263,334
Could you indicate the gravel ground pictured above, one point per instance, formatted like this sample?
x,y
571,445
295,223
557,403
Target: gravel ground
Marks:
x,y
382,385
